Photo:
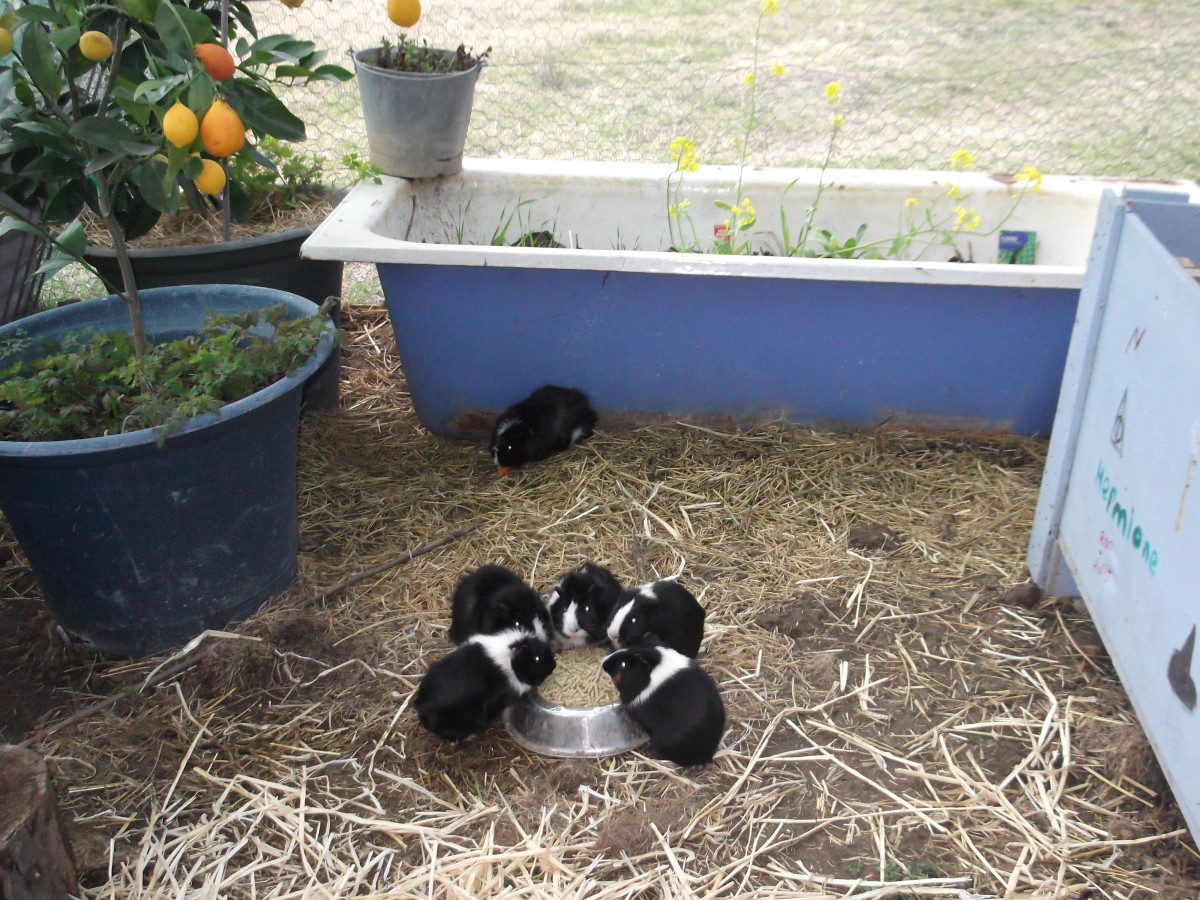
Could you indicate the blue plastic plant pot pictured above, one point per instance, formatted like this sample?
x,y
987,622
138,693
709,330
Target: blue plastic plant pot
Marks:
x,y
138,548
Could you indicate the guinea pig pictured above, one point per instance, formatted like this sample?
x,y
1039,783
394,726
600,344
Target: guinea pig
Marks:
x,y
580,604
662,611
548,421
472,684
674,701
492,599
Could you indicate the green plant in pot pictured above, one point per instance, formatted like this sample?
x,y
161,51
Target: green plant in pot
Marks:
x,y
147,439
416,100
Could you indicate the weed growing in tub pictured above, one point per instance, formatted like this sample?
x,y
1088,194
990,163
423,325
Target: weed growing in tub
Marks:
x,y
942,222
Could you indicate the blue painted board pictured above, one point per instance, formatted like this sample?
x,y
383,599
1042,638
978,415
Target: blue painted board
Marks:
x,y
648,346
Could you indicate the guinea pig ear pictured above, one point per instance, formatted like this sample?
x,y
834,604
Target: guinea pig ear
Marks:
x,y
650,639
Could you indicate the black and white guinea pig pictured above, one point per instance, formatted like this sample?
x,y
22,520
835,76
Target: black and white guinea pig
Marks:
x,y
548,421
491,599
674,701
660,612
580,604
472,684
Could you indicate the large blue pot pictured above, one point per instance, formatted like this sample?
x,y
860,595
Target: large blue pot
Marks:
x,y
138,547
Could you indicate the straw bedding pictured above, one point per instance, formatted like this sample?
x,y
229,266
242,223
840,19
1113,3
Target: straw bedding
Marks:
x,y
907,717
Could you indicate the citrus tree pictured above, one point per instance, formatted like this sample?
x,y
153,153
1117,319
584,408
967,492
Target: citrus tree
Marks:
x,y
124,107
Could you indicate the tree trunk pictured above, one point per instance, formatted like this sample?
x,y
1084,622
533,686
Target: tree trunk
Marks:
x,y
35,855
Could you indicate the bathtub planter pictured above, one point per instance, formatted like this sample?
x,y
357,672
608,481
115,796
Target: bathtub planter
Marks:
x,y
655,335
138,547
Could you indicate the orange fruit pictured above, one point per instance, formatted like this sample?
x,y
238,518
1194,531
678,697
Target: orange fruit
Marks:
x,y
211,179
404,12
221,130
6,42
180,125
95,45
216,59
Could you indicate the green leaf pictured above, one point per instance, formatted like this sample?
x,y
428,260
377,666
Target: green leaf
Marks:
x,y
104,132
112,135
330,72
40,61
149,178
73,239
200,94
102,161
264,112
181,28
49,14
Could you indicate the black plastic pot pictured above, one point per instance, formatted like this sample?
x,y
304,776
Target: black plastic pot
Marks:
x,y
138,547
270,261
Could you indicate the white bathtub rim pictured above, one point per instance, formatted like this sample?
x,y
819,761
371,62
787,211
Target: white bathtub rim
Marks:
x,y
351,232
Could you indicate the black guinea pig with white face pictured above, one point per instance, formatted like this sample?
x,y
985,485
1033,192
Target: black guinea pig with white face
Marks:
x,y
660,612
492,599
467,688
548,421
674,701
580,604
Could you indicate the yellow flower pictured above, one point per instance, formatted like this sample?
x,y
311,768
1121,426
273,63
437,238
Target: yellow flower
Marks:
x,y
910,202
769,7
953,192
1032,175
676,208
831,91
776,68
745,213
749,78
962,159
683,154
836,119
961,220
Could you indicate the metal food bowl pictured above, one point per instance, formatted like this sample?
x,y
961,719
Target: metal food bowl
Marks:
x,y
572,731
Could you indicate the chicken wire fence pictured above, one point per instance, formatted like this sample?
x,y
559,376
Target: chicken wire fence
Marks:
x,y
1101,88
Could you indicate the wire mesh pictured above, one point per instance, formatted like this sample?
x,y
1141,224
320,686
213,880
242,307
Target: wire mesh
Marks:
x,y
1102,88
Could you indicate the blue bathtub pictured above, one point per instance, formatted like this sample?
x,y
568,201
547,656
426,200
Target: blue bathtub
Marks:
x,y
654,335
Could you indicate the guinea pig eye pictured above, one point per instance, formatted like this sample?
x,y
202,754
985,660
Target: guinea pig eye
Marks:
x,y
585,607
633,620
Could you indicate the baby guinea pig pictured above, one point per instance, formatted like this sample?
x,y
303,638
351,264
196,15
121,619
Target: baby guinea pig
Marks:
x,y
548,421
580,604
674,701
663,612
491,599
472,684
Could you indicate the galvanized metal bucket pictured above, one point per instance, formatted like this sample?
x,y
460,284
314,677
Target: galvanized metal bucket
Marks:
x,y
416,121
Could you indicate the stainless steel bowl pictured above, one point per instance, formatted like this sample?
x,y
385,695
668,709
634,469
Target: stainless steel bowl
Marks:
x,y
571,731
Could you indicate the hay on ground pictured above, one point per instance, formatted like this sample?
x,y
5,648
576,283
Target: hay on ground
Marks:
x,y
903,720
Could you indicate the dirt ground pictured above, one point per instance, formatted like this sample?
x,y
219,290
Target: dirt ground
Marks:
x,y
907,715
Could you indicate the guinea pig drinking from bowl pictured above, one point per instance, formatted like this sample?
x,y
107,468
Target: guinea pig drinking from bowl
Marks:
x,y
673,700
580,604
491,599
660,612
471,685
550,420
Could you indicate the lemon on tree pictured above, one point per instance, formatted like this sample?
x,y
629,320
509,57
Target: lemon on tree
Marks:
x,y
6,42
404,12
95,45
180,125
211,179
221,130
216,59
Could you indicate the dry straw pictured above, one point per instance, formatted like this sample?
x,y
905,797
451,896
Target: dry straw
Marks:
x,y
900,722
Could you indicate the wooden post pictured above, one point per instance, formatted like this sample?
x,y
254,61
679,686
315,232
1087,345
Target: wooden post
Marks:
x,y
35,855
